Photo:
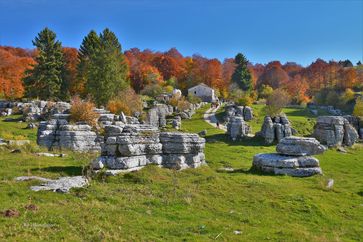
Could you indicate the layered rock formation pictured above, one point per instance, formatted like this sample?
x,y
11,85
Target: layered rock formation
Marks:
x,y
135,146
245,112
293,158
275,129
237,128
335,131
57,133
156,116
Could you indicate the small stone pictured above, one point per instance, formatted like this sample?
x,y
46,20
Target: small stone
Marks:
x,y
11,213
330,184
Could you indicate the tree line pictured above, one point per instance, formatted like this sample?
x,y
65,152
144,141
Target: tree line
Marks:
x,y
99,69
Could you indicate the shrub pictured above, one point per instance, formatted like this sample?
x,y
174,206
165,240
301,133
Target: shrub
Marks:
x,y
265,91
179,102
152,90
358,107
245,101
276,101
193,99
126,101
83,111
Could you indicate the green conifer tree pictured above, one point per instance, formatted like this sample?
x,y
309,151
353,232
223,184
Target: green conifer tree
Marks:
x,y
107,69
45,79
242,76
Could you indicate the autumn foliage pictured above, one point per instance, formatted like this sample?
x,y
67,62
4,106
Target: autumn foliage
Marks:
x,y
83,110
167,70
13,63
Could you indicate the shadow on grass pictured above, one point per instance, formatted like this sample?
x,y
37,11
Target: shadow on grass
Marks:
x,y
251,171
247,141
68,170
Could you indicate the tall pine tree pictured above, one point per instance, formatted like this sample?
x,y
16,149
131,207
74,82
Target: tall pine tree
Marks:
x,y
86,56
242,76
45,79
103,66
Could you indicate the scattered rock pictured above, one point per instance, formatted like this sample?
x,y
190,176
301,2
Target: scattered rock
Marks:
x,y
18,142
341,149
330,184
62,184
50,154
16,151
31,207
275,129
10,213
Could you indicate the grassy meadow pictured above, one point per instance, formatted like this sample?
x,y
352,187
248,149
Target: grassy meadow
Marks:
x,y
203,204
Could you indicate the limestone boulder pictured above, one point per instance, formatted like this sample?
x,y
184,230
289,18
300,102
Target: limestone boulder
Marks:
x,y
278,164
299,146
237,128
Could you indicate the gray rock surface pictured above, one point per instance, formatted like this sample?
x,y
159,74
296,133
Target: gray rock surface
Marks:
x,y
335,131
300,166
232,110
156,116
299,146
62,184
60,135
237,128
136,146
275,129
293,158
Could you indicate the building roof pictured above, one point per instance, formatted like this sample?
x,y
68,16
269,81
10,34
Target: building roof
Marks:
x,y
200,84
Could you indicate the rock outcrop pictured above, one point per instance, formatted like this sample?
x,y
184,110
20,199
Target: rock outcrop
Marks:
x,y
335,131
293,158
156,116
237,128
275,129
245,112
135,146
61,135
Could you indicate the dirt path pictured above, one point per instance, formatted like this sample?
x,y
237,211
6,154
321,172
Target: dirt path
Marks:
x,y
210,117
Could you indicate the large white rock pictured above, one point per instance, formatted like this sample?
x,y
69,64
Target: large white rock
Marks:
x,y
299,146
287,165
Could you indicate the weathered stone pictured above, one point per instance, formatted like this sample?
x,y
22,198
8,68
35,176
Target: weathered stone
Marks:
x,y
141,145
299,146
300,166
350,135
62,184
275,129
334,131
237,128
247,113
156,116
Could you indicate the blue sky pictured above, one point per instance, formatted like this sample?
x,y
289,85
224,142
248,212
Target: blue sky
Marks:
x,y
295,30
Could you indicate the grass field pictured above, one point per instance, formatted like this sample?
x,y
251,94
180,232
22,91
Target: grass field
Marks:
x,y
202,204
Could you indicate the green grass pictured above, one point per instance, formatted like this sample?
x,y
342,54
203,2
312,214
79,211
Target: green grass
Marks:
x,y
202,204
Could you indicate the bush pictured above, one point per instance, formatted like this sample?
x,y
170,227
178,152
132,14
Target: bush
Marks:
x,y
245,101
179,102
358,107
127,101
276,102
193,99
265,91
83,111
152,90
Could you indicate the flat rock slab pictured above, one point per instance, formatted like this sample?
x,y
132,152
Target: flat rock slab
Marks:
x,y
62,184
299,146
300,166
